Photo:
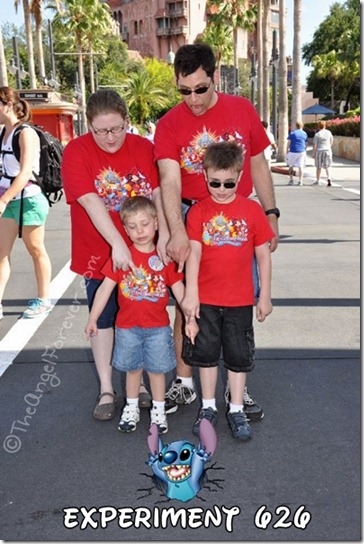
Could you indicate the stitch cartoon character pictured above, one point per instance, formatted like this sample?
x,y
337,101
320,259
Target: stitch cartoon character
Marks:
x,y
179,466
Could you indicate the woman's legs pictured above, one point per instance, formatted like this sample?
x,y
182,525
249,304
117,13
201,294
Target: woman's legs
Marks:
x,y
102,349
33,237
8,234
318,175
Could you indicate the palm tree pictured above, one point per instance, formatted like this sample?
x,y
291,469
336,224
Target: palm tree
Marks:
x,y
328,66
296,112
265,61
3,72
36,13
141,93
220,39
282,75
237,15
29,40
79,19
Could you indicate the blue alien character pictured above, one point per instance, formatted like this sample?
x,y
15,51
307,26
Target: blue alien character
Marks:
x,y
179,466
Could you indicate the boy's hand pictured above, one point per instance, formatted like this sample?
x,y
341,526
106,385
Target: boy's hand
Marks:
x,y
191,308
191,329
264,308
91,329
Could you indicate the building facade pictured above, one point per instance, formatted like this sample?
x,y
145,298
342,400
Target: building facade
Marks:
x,y
157,28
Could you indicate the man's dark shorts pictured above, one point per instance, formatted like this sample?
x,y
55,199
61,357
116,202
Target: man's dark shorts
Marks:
x,y
226,328
108,315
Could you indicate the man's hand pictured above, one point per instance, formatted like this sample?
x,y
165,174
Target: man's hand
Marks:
x,y
121,258
273,221
179,248
191,330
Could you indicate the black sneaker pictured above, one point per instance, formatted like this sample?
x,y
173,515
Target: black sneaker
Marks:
x,y
178,393
205,413
253,411
239,426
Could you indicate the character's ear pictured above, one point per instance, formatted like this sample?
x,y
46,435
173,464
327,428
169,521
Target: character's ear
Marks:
x,y
155,444
208,437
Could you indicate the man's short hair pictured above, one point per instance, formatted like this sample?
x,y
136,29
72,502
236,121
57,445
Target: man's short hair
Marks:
x,y
189,58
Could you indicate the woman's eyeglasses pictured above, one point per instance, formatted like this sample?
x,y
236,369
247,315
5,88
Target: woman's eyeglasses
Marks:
x,y
105,131
199,90
226,184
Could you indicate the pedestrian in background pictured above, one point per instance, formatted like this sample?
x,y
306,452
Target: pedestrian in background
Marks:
x,y
143,336
270,148
150,131
182,136
100,170
225,230
22,201
322,151
296,152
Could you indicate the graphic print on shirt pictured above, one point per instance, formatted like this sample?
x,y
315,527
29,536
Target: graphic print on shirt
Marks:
x,y
144,285
221,230
114,188
192,155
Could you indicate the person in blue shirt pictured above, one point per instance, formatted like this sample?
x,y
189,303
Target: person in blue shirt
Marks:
x,y
296,152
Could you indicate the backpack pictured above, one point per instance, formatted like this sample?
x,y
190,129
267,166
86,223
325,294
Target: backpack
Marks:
x,y
51,150
49,178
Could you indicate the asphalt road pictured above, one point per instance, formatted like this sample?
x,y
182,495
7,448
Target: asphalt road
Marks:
x,y
298,479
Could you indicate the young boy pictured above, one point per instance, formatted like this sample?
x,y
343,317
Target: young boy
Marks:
x,y
225,229
143,336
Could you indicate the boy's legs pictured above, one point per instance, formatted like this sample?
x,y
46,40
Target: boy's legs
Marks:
x,y
130,415
158,412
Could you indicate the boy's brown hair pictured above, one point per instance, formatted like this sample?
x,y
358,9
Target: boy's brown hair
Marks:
x,y
224,156
136,204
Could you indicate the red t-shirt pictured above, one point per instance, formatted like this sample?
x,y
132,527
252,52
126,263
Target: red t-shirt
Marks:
x,y
143,298
182,136
228,234
86,168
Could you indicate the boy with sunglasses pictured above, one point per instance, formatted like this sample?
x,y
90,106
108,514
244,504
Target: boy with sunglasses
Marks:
x,y
182,135
225,230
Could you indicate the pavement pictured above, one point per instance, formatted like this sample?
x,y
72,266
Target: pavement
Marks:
x,y
299,478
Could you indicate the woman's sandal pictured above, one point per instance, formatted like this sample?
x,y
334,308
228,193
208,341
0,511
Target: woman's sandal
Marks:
x,y
106,411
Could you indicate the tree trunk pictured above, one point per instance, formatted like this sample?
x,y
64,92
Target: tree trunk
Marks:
x,y
260,58
282,76
92,71
81,72
29,40
42,73
266,59
236,67
3,72
296,114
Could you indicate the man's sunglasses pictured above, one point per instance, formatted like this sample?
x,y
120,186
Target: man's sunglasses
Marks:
x,y
199,90
227,184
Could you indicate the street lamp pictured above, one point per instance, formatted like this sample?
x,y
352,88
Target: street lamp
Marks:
x,y
253,77
170,57
16,68
274,62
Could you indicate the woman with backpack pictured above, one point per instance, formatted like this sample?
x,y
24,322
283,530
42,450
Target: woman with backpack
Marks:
x,y
22,202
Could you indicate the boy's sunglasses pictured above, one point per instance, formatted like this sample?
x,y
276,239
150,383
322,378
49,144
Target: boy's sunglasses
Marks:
x,y
199,90
227,184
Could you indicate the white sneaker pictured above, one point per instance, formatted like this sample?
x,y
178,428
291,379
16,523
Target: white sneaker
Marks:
x,y
300,183
1,311
316,183
37,307
129,418
159,417
290,182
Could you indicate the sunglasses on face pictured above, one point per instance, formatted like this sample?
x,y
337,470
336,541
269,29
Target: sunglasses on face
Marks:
x,y
226,184
199,90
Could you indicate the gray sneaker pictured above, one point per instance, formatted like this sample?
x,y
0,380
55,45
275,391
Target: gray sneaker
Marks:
x,y
239,426
37,307
205,413
253,411
178,393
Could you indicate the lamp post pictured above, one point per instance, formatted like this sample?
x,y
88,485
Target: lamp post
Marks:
x,y
77,94
16,68
274,60
253,77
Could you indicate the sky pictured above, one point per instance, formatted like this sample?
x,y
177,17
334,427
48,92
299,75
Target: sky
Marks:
x,y
313,13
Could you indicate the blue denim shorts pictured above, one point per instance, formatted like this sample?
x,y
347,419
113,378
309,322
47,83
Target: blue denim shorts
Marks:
x,y
108,315
226,328
151,349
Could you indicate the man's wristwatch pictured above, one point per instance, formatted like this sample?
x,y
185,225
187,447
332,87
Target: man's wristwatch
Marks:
x,y
274,211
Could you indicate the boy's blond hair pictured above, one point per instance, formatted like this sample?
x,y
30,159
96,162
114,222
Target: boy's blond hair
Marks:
x,y
136,204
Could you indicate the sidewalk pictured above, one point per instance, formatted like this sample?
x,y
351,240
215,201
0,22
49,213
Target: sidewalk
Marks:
x,y
342,170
